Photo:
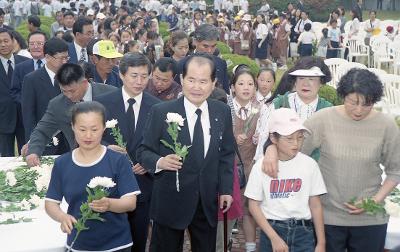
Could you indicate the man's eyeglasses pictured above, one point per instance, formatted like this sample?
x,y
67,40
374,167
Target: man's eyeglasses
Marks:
x,y
61,57
36,43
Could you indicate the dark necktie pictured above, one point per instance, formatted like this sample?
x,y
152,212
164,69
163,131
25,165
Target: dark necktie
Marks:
x,y
130,114
198,139
39,63
10,70
83,55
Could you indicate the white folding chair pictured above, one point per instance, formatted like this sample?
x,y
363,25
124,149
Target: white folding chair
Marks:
x,y
392,100
378,72
357,48
380,47
333,64
345,67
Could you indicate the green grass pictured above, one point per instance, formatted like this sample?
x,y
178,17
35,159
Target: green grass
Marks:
x,y
45,26
382,15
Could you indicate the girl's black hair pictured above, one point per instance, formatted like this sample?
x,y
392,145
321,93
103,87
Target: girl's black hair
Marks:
x,y
87,107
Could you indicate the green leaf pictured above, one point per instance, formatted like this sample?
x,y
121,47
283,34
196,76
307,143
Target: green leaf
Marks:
x,y
166,144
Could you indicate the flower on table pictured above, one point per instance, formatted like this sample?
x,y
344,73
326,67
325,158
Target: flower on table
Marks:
x,y
101,181
25,205
111,123
10,178
55,141
35,200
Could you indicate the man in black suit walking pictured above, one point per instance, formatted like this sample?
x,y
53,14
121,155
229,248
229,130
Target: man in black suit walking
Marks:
x,y
205,40
39,87
75,88
130,105
205,176
10,123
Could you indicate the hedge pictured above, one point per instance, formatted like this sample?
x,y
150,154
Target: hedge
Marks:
x,y
163,29
233,60
223,48
45,26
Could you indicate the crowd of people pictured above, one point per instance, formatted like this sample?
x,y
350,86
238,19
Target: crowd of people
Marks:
x,y
104,61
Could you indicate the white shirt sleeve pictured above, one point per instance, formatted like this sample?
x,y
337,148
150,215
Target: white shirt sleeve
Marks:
x,y
318,185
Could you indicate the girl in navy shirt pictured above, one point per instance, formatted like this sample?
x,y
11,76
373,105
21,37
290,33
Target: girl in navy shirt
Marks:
x,y
74,170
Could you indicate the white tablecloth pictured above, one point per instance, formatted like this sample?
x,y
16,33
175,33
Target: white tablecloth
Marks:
x,y
44,235
41,235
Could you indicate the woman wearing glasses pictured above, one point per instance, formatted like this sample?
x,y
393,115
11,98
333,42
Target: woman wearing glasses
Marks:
x,y
354,140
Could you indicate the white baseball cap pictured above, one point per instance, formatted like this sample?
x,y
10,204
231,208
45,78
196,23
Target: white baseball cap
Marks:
x,y
285,122
90,12
100,15
312,72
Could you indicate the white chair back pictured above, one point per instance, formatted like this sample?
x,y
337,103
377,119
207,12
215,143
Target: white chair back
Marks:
x,y
345,67
333,65
378,72
391,80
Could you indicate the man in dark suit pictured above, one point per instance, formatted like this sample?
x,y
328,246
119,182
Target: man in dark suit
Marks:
x,y
205,174
205,40
83,32
36,42
75,88
10,123
357,7
39,87
135,70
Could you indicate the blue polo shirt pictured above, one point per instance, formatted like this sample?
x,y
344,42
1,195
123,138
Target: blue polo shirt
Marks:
x,y
69,180
112,78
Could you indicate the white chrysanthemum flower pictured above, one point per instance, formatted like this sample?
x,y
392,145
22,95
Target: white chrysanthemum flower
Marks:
x,y
10,178
175,118
25,205
6,216
254,110
111,123
55,141
42,182
393,209
101,181
35,200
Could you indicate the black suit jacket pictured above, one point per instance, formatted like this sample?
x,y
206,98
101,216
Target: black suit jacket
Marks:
x,y
73,57
115,107
221,68
206,181
8,107
20,71
37,91
58,118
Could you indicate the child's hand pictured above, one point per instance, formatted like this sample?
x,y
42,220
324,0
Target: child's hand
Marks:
x,y
352,207
278,245
102,205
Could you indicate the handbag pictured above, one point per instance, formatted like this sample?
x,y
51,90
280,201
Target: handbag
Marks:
x,y
245,44
240,168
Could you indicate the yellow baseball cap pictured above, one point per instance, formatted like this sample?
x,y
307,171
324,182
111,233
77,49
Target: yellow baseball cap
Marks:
x,y
106,49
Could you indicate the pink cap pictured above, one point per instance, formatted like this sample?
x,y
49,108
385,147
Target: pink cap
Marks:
x,y
285,121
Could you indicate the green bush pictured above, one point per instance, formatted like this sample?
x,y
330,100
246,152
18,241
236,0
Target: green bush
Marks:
x,y
234,60
163,28
45,26
398,121
223,48
329,94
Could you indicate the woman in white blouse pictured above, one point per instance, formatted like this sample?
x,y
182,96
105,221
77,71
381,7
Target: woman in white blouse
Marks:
x,y
355,24
261,30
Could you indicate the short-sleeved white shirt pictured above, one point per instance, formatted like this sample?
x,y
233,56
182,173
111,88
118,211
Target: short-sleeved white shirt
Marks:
x,y
262,30
287,196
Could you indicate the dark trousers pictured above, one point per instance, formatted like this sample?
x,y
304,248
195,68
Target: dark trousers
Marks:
x,y
306,50
355,239
202,235
7,141
139,221
333,52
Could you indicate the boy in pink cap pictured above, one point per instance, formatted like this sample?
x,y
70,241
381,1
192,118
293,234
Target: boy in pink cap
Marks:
x,y
288,209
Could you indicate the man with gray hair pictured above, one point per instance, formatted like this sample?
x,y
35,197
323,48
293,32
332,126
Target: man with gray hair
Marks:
x,y
205,39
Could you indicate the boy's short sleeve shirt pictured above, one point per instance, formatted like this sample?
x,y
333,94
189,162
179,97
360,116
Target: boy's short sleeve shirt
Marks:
x,y
287,196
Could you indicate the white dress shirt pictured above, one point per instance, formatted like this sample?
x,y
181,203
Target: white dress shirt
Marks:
x,y
136,105
4,61
261,98
50,73
78,49
191,115
88,94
